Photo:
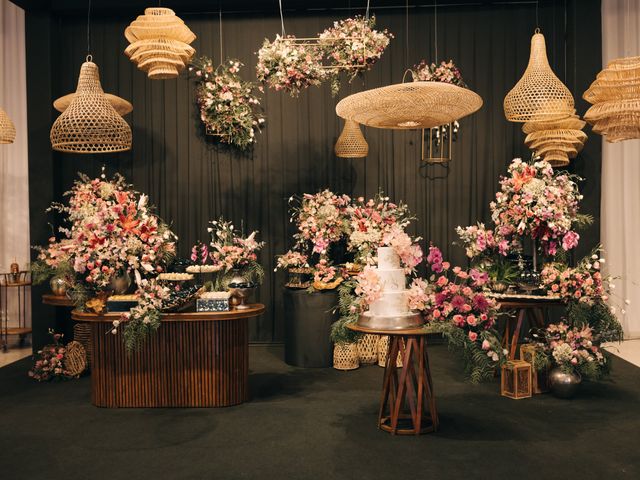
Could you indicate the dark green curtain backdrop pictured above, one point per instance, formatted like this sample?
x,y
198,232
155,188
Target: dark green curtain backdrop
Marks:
x,y
191,180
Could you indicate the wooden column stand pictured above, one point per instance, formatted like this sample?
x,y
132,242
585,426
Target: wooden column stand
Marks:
x,y
407,403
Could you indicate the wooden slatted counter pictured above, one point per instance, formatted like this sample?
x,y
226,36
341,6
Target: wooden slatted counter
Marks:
x,y
196,359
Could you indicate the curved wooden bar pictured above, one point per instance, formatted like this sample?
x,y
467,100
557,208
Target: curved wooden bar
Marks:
x,y
56,300
195,359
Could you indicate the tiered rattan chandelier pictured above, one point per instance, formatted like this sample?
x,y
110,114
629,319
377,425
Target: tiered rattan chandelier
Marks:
x,y
351,143
159,43
615,95
539,95
90,124
556,141
7,129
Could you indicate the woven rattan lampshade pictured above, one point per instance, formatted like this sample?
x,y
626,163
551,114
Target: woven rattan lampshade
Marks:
x,y
159,43
539,94
90,124
615,95
120,105
7,129
351,143
409,106
556,141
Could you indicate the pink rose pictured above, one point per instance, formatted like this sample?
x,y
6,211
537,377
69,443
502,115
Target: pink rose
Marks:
x,y
472,320
486,345
473,336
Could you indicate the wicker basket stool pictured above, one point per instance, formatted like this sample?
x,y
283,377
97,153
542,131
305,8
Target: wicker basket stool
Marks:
x,y
368,349
345,356
75,359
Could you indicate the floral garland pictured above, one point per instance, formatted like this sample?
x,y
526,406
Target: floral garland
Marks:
x,y
285,65
113,232
228,105
445,72
352,44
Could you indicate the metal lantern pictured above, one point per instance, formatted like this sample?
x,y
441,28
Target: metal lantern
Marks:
x,y
437,143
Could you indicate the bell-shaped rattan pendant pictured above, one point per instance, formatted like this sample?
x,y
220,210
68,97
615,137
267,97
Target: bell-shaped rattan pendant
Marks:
x,y
539,95
159,43
122,106
7,129
351,143
615,95
90,124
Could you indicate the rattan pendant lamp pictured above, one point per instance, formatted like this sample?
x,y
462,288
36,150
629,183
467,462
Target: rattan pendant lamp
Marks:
x,y
539,95
122,106
90,124
159,43
556,141
351,143
7,129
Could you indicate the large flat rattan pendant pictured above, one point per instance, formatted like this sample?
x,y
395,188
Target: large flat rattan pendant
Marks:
x,y
7,129
539,95
409,106
90,124
351,143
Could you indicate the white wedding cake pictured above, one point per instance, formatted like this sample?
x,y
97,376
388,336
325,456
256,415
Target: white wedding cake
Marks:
x,y
391,310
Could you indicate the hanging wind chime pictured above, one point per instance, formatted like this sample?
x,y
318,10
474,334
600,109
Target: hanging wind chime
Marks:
x,y
90,124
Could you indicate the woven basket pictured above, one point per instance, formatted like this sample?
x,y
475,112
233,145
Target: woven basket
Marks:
x,y
75,360
569,123
351,143
368,349
159,43
7,129
345,356
383,352
90,124
409,106
82,334
120,105
539,94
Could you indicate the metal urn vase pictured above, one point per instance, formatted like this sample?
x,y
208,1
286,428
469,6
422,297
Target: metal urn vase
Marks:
x,y
58,286
562,384
241,289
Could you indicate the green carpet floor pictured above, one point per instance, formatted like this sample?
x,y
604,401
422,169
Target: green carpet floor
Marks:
x,y
321,424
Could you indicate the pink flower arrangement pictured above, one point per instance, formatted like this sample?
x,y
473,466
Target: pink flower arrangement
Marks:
x,y
478,241
324,272
583,283
287,65
418,296
228,106
51,362
368,286
378,222
112,232
321,220
573,349
445,72
537,202
292,259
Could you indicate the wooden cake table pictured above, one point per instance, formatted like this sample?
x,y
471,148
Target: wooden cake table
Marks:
x,y
195,359
413,390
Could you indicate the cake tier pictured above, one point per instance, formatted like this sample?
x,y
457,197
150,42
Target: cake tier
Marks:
x,y
390,304
392,280
387,258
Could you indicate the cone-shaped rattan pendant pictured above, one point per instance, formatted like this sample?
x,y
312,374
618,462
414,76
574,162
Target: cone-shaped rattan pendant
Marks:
x,y
615,95
7,129
351,143
539,94
90,124
159,43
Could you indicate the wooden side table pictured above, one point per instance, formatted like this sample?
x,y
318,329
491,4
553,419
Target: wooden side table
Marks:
x,y
14,285
530,309
407,404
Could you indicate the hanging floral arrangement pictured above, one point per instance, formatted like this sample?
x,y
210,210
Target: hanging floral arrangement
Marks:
x,y
285,64
446,72
353,45
228,105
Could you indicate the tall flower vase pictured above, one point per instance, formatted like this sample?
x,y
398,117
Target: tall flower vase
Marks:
x,y
240,288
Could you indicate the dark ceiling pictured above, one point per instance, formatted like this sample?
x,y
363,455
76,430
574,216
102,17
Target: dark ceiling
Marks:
x,y
75,7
